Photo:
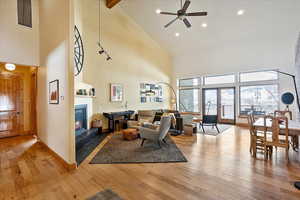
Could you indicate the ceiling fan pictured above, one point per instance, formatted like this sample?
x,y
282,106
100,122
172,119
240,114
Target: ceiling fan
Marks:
x,y
182,14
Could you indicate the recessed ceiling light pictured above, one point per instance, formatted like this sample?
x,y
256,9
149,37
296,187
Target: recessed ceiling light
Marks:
x,y
158,11
10,67
204,25
241,12
177,34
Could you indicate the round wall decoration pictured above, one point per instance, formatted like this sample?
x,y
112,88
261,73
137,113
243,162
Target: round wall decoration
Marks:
x,y
287,98
78,53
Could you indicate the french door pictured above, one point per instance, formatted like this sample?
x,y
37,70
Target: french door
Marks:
x,y
220,102
11,104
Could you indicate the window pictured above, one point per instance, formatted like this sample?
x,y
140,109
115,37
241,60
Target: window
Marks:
x,y
258,76
260,99
189,100
24,13
189,82
209,80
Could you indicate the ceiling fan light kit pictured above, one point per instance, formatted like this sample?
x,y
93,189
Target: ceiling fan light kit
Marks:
x,y
182,14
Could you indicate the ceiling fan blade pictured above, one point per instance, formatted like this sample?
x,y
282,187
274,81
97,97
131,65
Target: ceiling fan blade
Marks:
x,y
167,13
187,23
171,22
197,14
186,5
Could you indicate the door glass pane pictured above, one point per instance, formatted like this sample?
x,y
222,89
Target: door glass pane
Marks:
x,y
210,101
189,100
227,103
260,99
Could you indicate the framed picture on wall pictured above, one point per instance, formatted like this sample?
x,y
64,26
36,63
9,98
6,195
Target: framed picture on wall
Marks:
x,y
151,93
54,92
116,92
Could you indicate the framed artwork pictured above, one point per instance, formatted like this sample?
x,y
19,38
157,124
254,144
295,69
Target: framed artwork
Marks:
x,y
151,93
116,92
54,92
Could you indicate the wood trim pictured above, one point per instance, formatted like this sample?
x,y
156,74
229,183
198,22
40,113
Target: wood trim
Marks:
x,y
244,125
68,166
111,3
33,98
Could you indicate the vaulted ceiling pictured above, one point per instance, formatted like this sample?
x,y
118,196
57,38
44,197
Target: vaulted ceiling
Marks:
x,y
222,20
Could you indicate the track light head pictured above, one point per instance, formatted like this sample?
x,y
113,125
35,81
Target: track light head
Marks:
x,y
102,51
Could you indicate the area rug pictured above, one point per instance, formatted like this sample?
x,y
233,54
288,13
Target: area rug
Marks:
x,y
213,131
105,195
89,147
119,151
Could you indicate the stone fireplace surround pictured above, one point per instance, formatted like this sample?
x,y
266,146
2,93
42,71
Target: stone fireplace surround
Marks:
x,y
88,101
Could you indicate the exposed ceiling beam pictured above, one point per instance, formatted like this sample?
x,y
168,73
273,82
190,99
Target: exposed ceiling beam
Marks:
x,y
111,3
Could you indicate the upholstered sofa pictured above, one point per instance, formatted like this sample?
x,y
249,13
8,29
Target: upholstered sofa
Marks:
x,y
143,117
146,117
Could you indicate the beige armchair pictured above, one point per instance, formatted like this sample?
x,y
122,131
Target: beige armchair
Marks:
x,y
158,135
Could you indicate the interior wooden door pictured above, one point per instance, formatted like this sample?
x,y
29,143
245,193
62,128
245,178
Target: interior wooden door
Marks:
x,y
11,103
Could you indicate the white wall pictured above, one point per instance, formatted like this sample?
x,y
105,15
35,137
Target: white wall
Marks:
x,y
18,44
56,122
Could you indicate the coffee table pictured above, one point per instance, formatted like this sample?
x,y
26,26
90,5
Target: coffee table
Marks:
x,y
130,134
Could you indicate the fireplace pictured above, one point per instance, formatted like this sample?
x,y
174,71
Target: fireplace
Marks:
x,y
80,118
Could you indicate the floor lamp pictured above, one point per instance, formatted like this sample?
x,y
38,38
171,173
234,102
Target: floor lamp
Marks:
x,y
297,183
173,91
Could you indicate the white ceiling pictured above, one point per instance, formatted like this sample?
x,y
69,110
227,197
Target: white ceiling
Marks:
x,y
223,22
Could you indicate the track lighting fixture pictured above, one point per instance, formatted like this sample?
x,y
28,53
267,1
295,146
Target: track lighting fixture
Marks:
x,y
102,50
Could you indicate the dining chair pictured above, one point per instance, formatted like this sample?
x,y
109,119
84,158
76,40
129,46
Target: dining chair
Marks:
x,y
256,137
283,113
278,139
289,114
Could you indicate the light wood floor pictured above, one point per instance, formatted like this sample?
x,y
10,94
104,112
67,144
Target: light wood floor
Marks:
x,y
218,168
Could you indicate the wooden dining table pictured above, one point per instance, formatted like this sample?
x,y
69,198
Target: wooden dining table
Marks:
x,y
293,126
